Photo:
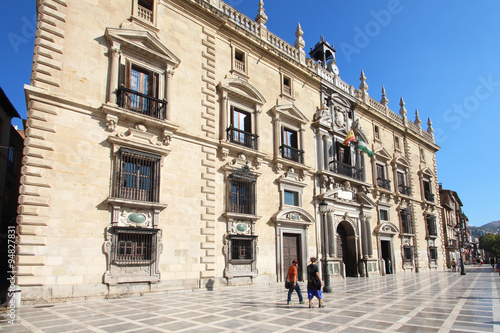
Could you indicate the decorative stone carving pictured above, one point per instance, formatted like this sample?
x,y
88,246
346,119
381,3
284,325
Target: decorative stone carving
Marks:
x,y
135,219
111,122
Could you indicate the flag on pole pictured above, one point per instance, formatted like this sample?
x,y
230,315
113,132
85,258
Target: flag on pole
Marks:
x,y
350,137
364,148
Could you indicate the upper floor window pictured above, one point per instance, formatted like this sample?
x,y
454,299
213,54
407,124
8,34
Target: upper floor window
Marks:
x,y
138,91
137,176
429,196
239,61
384,214
382,180
242,196
397,145
403,188
140,74
431,225
286,85
290,145
376,132
291,198
406,221
346,161
240,131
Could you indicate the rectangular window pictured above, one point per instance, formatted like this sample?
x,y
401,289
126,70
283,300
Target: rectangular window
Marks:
x,y
433,253
240,131
239,61
287,86
290,147
242,196
429,196
138,176
406,222
431,225
376,132
291,198
408,254
384,215
381,178
133,245
242,248
396,143
139,92
402,188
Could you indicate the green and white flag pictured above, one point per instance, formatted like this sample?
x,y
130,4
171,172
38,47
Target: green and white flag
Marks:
x,y
363,147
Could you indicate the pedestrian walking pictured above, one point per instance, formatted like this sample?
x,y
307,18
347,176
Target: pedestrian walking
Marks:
x,y
453,265
497,267
314,283
294,283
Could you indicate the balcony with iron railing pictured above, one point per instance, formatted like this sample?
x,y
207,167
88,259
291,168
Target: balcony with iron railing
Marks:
x,y
141,103
243,138
403,189
346,170
292,153
429,196
384,183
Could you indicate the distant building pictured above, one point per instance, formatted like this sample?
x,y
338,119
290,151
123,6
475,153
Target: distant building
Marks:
x,y
11,146
180,145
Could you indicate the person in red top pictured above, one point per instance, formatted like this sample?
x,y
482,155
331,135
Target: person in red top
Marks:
x,y
294,284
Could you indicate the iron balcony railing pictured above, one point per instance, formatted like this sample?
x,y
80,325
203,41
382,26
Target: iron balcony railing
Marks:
x,y
403,189
292,153
346,170
243,138
453,243
384,183
141,103
429,196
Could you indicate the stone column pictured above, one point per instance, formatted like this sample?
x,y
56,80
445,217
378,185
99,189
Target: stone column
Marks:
x,y
325,152
369,236
277,136
320,162
364,238
332,234
114,52
223,117
169,73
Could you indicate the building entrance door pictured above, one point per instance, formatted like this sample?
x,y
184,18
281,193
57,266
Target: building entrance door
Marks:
x,y
386,255
291,251
346,248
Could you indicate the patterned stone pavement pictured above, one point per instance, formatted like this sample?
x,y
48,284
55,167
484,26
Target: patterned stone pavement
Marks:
x,y
423,302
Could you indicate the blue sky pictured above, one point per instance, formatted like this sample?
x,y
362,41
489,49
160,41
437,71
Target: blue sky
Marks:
x,y
441,57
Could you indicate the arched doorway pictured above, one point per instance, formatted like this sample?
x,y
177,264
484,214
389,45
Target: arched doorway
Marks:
x,y
346,248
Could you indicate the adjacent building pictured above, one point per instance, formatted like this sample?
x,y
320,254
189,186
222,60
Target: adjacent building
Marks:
x,y
179,144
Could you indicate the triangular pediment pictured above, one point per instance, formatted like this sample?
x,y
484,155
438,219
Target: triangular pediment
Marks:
x,y
142,42
289,112
427,171
242,89
382,152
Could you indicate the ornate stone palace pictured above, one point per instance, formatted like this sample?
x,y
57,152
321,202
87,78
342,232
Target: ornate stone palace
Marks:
x,y
179,144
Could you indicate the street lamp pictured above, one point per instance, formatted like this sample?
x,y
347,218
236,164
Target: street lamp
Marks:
x,y
323,207
458,230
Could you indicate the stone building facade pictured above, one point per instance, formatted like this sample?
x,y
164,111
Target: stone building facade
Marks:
x,y
178,144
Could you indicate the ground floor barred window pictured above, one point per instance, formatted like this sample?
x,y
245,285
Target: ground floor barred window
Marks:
x,y
133,245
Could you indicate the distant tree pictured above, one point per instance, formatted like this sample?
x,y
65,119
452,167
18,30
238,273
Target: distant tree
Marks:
x,y
491,243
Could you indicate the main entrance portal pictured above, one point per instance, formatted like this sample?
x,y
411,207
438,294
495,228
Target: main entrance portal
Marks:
x,y
291,251
346,248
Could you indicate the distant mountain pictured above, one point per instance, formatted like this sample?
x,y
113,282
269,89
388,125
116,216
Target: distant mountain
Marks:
x,y
492,227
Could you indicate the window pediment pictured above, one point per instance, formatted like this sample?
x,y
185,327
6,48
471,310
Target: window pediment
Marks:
x,y
386,228
294,215
289,112
242,90
427,172
401,161
142,42
383,153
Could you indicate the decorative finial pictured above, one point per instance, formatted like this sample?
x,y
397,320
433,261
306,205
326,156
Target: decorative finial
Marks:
x,y
402,110
363,86
299,42
417,118
261,16
430,129
384,101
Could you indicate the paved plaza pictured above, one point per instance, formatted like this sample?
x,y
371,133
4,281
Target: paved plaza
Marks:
x,y
423,302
